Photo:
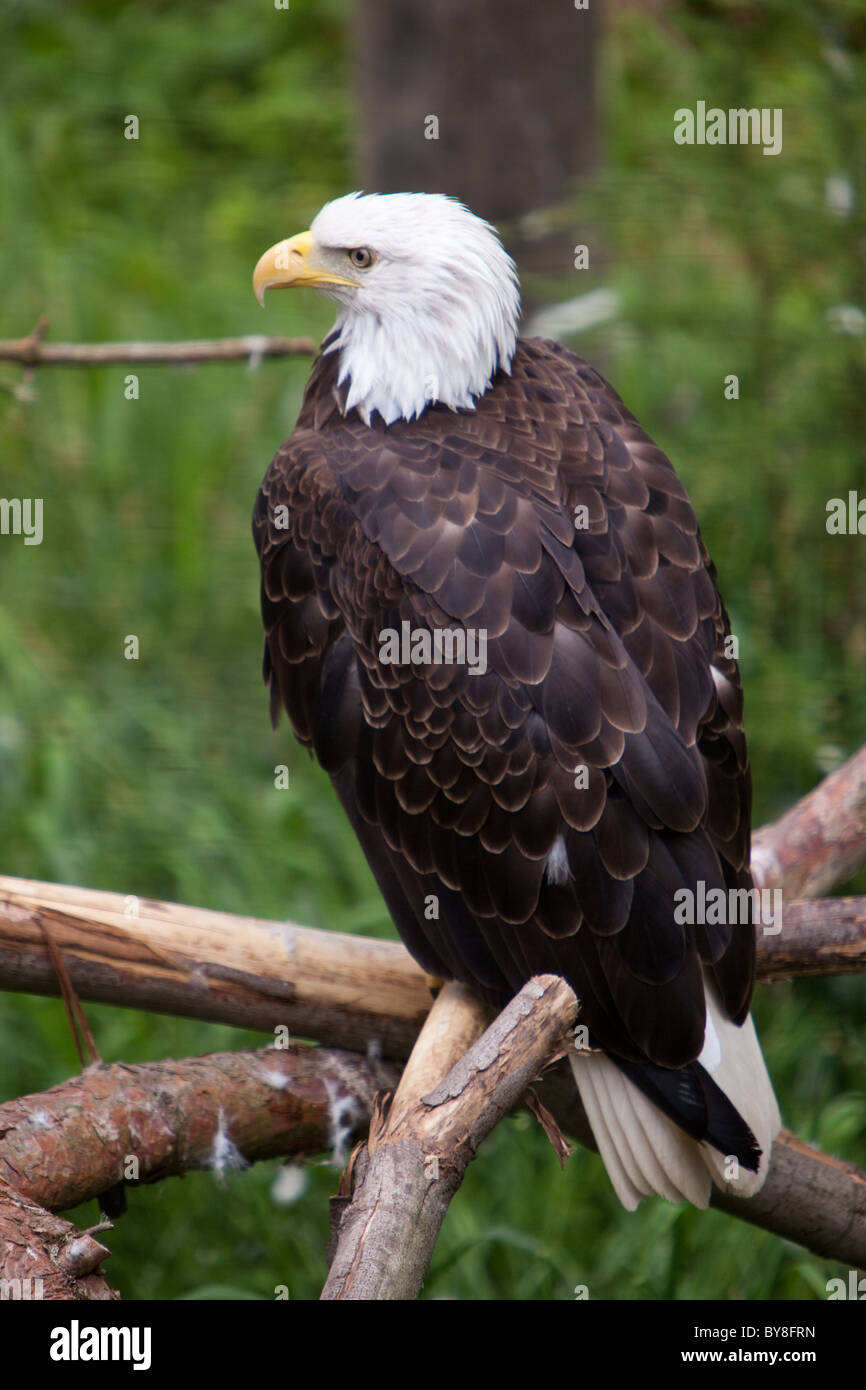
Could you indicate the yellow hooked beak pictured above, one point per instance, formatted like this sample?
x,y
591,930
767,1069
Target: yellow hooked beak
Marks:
x,y
291,263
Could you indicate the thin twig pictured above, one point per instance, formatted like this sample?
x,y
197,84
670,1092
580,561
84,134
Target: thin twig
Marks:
x,y
32,352
78,1025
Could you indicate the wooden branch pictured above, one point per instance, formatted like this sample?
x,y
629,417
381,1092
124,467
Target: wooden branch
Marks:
x,y
73,1143
421,1147
252,347
457,1018
816,1201
43,1257
347,991
120,1123
824,937
821,841
808,1197
356,992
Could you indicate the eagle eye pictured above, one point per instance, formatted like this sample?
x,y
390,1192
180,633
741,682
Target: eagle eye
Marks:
x,y
361,257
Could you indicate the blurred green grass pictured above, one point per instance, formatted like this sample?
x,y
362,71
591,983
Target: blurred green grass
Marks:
x,y
156,776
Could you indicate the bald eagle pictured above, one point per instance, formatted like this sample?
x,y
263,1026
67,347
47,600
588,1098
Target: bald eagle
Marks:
x,y
490,615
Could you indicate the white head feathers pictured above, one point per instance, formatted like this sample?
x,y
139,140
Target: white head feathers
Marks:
x,y
435,314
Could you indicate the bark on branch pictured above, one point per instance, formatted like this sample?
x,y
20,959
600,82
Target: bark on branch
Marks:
x,y
44,1257
139,1124
826,936
421,1146
821,841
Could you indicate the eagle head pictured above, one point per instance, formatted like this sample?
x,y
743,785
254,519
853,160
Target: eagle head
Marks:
x,y
428,298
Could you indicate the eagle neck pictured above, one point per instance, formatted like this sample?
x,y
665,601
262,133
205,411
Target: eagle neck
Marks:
x,y
395,369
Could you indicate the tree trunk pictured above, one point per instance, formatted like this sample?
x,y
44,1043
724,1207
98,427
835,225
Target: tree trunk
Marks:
x,y
510,86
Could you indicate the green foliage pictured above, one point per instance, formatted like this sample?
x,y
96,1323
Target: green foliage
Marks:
x,y
156,776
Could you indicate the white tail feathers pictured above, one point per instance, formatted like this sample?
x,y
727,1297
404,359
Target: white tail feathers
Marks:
x,y
645,1153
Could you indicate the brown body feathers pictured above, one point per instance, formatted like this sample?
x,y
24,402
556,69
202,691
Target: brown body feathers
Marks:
x,y
552,806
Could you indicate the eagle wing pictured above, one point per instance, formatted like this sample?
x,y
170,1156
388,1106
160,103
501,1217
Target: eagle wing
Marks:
x,y
542,814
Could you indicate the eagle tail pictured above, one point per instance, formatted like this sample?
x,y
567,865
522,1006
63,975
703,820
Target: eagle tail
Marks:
x,y
726,1097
